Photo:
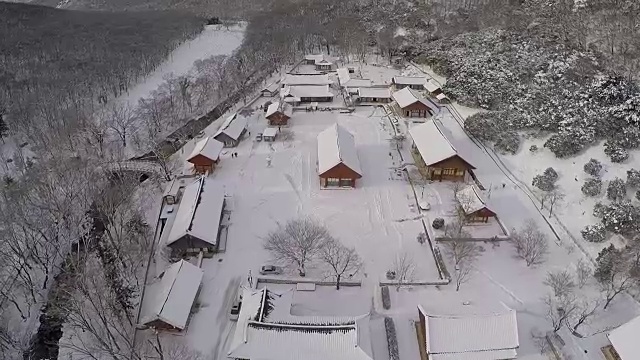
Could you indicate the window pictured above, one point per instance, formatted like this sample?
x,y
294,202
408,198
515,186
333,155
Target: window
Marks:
x,y
449,171
345,183
333,182
460,172
437,171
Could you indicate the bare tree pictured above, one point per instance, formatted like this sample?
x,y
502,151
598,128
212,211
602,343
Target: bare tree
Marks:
x,y
554,197
464,254
530,243
559,309
561,282
121,119
583,272
617,271
404,269
585,309
297,242
341,259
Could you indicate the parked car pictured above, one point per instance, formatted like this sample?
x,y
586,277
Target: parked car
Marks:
x,y
259,137
270,270
425,206
235,310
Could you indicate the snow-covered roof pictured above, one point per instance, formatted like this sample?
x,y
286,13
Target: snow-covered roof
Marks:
x,y
208,147
320,58
277,106
337,145
374,92
291,79
441,96
432,144
408,96
199,212
409,80
262,339
431,87
272,87
347,81
270,132
491,336
307,91
178,290
232,126
625,339
470,199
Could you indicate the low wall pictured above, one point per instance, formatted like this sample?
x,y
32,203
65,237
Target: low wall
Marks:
x,y
273,280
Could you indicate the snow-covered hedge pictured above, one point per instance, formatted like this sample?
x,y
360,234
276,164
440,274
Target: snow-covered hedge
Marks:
x,y
594,233
633,178
551,87
545,181
438,223
593,167
620,217
386,299
592,187
617,190
392,339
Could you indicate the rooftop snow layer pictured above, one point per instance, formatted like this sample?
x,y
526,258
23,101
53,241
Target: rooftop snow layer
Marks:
x,y
487,335
179,287
470,199
337,145
320,58
208,147
408,96
232,127
199,212
272,87
272,109
374,92
432,144
270,132
346,80
308,91
408,80
321,79
431,87
625,339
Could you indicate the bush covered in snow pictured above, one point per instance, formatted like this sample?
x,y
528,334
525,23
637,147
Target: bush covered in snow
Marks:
x,y
438,223
551,86
493,127
533,148
508,143
638,195
598,210
392,339
593,167
594,233
617,190
547,180
615,151
592,187
633,178
621,218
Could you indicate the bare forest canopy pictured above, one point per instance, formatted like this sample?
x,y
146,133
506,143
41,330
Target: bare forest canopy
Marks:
x,y
61,61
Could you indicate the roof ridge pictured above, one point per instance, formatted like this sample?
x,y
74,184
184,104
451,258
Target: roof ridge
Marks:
x,y
197,201
435,123
508,312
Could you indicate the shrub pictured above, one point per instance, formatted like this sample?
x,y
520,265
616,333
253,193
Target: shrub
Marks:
x,y
615,151
508,143
594,233
638,195
592,187
545,181
386,299
633,178
533,148
392,338
593,167
598,210
621,218
438,223
616,190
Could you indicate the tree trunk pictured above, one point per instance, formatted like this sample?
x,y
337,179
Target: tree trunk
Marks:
x,y
338,282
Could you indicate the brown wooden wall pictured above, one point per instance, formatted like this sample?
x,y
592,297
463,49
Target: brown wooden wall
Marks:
x,y
454,162
278,119
202,164
340,171
425,111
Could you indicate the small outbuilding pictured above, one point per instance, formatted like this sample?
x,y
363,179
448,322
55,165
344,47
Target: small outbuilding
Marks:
x,y
379,95
271,90
269,134
479,336
350,83
175,295
411,104
472,204
197,225
433,151
321,62
232,130
205,155
338,163
278,113
412,82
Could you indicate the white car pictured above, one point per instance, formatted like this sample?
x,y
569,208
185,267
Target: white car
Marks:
x,y
235,311
270,270
424,206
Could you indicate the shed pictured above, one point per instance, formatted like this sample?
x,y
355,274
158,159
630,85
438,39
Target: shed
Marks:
x,y
624,340
270,90
205,155
374,95
485,336
176,294
412,82
197,224
411,104
338,163
435,154
473,205
278,113
320,61
171,192
232,130
269,134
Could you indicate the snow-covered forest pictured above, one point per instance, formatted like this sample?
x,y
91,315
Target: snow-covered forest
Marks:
x,y
77,236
